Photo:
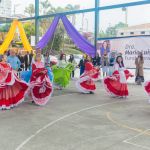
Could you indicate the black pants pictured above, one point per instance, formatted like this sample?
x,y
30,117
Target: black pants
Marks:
x,y
73,74
27,67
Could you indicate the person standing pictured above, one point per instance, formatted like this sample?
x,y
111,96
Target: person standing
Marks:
x,y
21,58
111,63
82,63
14,61
139,73
47,59
28,59
72,61
105,48
47,62
105,64
96,60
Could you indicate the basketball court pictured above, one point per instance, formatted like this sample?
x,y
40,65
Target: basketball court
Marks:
x,y
74,121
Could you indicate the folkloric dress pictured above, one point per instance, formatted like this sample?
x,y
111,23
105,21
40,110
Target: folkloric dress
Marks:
x,y
40,85
12,90
147,88
62,73
116,85
26,75
85,83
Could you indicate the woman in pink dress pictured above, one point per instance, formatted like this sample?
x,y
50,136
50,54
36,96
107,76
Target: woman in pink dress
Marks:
x,y
85,83
40,85
12,90
116,85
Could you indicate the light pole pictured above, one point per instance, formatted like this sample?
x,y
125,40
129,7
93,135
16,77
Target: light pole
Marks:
x,y
15,6
87,23
82,21
97,3
124,9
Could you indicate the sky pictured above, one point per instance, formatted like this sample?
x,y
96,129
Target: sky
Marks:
x,y
136,14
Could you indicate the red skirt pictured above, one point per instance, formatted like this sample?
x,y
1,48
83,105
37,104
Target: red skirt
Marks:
x,y
115,88
85,85
147,87
41,93
12,95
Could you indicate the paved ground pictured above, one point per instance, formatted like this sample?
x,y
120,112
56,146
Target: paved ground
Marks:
x,y
74,121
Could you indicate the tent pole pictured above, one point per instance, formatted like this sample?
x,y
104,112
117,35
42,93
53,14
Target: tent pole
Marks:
x,y
97,3
36,21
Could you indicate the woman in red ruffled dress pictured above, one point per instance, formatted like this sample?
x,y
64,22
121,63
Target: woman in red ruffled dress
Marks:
x,y
40,85
12,90
116,85
85,83
147,88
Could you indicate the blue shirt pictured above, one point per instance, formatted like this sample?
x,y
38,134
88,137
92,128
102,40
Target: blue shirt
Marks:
x,y
14,62
102,50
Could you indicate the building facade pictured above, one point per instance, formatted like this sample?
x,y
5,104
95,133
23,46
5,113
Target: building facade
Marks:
x,y
5,8
142,29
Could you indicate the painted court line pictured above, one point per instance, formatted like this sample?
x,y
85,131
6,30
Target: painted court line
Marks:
x,y
27,101
60,119
108,114
128,141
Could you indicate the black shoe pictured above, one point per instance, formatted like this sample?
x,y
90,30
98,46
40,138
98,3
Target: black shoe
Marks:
x,y
91,92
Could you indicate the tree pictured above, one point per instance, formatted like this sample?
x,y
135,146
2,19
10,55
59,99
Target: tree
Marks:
x,y
5,28
46,7
29,28
102,34
111,31
30,10
71,7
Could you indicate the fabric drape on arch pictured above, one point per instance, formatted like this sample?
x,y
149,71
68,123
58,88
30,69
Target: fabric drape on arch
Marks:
x,y
23,37
10,35
80,41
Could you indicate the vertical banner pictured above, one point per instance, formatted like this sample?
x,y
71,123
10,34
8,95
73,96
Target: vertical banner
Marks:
x,y
129,47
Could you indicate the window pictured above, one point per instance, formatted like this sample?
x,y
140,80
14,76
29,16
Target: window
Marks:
x,y
143,32
131,33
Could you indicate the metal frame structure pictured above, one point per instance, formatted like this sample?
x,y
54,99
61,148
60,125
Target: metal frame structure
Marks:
x,y
97,10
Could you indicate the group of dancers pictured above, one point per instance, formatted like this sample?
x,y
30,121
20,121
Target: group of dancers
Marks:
x,y
42,80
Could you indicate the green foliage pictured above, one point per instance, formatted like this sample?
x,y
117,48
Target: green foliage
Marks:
x,y
102,34
112,30
30,10
29,28
46,8
4,28
121,25
57,42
